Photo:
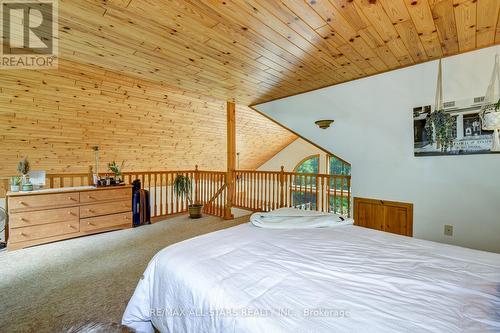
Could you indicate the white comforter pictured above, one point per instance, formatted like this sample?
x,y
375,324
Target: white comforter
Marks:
x,y
293,218
344,279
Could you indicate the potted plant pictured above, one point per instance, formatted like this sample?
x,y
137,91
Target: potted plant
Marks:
x,y
23,167
183,188
117,170
490,118
15,182
440,123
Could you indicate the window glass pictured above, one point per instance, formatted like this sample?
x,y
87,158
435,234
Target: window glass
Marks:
x,y
310,165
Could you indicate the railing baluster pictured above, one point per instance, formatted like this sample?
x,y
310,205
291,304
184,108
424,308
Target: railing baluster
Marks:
x,y
349,196
342,196
223,193
172,193
264,194
161,194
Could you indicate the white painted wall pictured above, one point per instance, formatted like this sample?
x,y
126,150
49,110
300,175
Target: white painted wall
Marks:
x,y
373,130
292,155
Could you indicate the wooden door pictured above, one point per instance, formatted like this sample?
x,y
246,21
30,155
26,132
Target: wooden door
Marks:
x,y
369,216
389,216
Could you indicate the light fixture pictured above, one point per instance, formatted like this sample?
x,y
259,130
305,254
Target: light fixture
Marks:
x,y
324,124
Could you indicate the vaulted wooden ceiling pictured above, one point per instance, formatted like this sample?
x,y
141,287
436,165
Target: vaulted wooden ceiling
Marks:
x,y
257,50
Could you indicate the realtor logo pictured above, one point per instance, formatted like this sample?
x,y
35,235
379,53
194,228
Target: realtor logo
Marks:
x,y
29,32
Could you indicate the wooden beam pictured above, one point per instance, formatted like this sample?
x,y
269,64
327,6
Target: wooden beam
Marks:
x,y
231,158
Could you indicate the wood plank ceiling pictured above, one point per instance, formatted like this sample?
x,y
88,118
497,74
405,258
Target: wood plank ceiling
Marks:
x,y
257,50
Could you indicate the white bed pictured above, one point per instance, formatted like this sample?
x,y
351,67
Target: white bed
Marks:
x,y
342,279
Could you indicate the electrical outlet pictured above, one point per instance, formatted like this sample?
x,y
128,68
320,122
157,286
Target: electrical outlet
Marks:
x,y
448,230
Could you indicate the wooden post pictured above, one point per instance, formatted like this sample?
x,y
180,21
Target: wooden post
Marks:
x,y
282,187
231,158
317,192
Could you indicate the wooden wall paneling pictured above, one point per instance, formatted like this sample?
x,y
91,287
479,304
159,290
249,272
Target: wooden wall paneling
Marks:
x,y
389,216
396,220
55,117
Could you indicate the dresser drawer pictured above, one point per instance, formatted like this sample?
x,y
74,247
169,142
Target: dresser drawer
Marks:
x,y
43,231
106,208
33,202
106,195
26,219
106,222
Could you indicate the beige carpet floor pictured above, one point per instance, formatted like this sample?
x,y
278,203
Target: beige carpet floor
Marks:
x,y
51,287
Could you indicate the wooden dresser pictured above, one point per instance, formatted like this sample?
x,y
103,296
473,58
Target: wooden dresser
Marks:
x,y
389,216
53,214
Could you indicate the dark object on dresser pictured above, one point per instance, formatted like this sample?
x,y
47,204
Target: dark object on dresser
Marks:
x,y
141,208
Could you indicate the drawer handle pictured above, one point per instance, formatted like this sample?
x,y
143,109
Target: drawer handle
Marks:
x,y
90,223
71,226
22,234
71,198
23,219
90,197
22,203
71,213
90,210
126,217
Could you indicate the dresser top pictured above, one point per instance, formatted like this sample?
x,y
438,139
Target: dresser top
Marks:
x,y
66,190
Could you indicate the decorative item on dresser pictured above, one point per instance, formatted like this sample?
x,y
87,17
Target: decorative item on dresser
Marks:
x,y
15,183
54,214
389,216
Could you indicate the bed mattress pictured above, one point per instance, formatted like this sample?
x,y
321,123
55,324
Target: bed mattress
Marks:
x,y
343,279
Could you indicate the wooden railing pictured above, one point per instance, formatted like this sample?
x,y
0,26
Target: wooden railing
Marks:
x,y
268,190
162,197
253,190
208,189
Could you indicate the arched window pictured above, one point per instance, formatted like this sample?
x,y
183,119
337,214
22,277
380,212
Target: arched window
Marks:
x,y
304,186
309,164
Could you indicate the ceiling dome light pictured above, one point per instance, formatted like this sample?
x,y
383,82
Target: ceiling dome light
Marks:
x,y
324,124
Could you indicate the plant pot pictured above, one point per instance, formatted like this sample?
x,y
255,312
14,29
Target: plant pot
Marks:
x,y
14,188
27,187
195,211
491,121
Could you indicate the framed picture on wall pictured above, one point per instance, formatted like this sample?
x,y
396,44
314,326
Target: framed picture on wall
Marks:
x,y
468,135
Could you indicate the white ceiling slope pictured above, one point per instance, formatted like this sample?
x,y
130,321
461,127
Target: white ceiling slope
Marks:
x,y
373,130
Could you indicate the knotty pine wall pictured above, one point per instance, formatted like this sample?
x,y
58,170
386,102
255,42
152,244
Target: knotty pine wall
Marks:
x,y
55,117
